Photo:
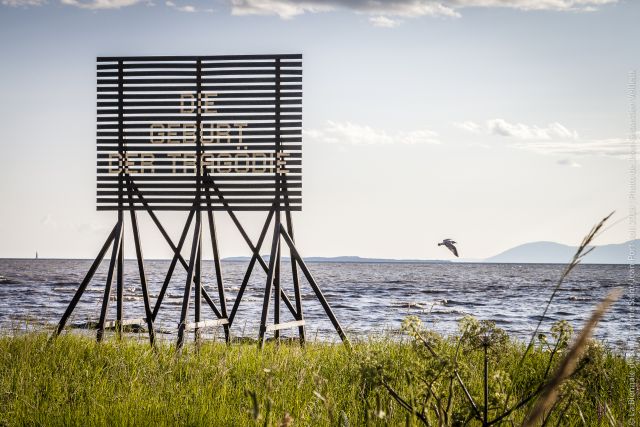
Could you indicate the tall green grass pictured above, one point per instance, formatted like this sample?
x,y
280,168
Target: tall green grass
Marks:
x,y
74,381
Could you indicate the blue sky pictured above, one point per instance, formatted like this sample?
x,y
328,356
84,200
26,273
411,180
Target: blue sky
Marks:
x,y
423,119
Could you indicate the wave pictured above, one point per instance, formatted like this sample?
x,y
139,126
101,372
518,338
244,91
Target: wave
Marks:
x,y
578,298
63,284
402,281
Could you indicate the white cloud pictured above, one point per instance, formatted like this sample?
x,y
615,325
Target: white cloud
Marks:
x,y
286,9
384,22
350,133
469,126
23,3
613,147
186,8
381,13
557,5
385,11
502,127
570,163
553,138
522,131
101,4
289,8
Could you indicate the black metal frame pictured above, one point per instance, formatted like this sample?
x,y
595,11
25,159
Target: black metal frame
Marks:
x,y
205,184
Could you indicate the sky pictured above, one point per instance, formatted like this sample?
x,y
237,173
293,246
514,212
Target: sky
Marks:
x,y
494,123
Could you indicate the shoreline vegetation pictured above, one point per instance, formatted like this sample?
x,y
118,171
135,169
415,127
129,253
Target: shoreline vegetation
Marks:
x,y
73,380
477,377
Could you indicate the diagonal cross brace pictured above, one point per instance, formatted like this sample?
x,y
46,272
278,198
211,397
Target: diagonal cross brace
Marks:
x,y
175,250
254,249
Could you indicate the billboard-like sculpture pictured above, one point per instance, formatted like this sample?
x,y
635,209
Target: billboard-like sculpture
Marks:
x,y
181,128
201,134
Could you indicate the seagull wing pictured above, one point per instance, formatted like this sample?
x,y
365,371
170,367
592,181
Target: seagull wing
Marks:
x,y
452,248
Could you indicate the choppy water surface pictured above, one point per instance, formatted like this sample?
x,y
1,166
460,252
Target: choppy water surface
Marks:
x,y
367,298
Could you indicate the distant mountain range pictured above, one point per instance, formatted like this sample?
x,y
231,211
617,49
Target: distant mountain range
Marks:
x,y
554,253
348,259
528,253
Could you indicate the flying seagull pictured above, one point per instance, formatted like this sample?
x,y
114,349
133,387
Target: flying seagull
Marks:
x,y
450,245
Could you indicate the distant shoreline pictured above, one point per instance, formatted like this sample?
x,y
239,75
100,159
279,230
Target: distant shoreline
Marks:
x,y
529,253
320,260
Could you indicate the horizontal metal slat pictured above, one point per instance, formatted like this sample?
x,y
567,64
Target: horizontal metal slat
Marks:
x,y
193,80
192,193
190,200
179,102
169,58
179,208
204,118
216,72
193,88
180,109
175,95
189,186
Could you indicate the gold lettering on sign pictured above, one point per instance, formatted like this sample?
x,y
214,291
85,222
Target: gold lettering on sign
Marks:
x,y
156,138
205,102
184,107
175,156
203,136
224,132
227,133
170,134
264,163
246,162
240,126
146,165
206,163
189,162
189,132
111,168
280,161
127,163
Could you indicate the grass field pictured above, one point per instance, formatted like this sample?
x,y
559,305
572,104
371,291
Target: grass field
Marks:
x,y
75,381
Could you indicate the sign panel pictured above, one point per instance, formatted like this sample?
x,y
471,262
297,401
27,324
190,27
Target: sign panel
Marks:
x,y
200,132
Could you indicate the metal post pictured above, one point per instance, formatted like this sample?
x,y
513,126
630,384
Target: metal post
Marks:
x,y
218,268
123,161
296,281
198,290
120,283
107,288
267,291
276,296
143,277
278,202
187,288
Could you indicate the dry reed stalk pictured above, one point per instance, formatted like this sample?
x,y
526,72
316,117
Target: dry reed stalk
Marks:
x,y
568,365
